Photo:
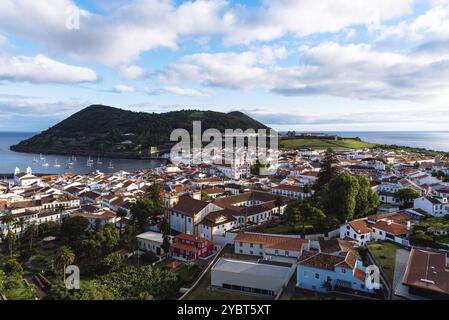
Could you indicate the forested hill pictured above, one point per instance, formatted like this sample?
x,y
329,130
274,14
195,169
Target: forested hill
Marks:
x,y
108,131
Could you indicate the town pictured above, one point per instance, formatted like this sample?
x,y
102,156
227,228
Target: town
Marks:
x,y
313,230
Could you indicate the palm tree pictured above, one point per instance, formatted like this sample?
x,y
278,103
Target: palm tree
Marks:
x,y
8,219
20,223
32,231
279,203
121,213
64,257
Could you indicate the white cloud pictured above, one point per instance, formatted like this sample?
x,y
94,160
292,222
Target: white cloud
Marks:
x,y
306,17
40,69
123,88
118,37
132,72
429,26
360,71
245,70
187,92
355,70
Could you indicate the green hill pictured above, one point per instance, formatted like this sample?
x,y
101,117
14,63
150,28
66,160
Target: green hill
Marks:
x,y
343,143
107,131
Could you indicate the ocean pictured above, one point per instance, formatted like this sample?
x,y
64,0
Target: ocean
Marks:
x,y
9,160
434,140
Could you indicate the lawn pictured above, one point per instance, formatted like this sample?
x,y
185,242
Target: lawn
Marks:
x,y
15,288
324,144
283,228
203,292
385,255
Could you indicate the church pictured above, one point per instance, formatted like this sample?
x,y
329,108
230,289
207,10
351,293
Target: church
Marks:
x,y
25,178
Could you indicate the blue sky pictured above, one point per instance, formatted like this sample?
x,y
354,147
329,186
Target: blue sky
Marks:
x,y
292,64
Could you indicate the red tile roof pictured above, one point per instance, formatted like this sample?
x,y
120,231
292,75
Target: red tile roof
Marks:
x,y
360,226
270,241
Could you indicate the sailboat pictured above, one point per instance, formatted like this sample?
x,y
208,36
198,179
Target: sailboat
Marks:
x,y
90,162
35,160
56,165
45,164
41,157
98,161
111,166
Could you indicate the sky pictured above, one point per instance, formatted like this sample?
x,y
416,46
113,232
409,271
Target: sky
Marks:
x,y
330,65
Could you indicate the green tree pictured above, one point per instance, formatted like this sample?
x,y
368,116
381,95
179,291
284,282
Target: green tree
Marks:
x,y
121,214
327,172
90,290
112,262
108,237
407,195
141,211
165,229
154,194
366,199
130,282
129,236
8,219
89,248
74,228
31,233
279,202
48,227
303,212
63,258
13,268
20,224
339,197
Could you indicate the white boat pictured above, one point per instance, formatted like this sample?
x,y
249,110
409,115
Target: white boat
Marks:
x,y
90,162
56,165
35,160
41,157
45,164
111,166
99,161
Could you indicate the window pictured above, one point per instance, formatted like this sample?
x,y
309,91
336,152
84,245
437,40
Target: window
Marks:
x,y
241,244
306,275
251,252
251,245
276,252
286,253
260,246
317,276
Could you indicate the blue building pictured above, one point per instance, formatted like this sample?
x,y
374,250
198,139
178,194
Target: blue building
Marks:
x,y
320,271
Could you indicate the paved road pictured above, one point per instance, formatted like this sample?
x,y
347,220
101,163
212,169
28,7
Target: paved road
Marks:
x,y
39,292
